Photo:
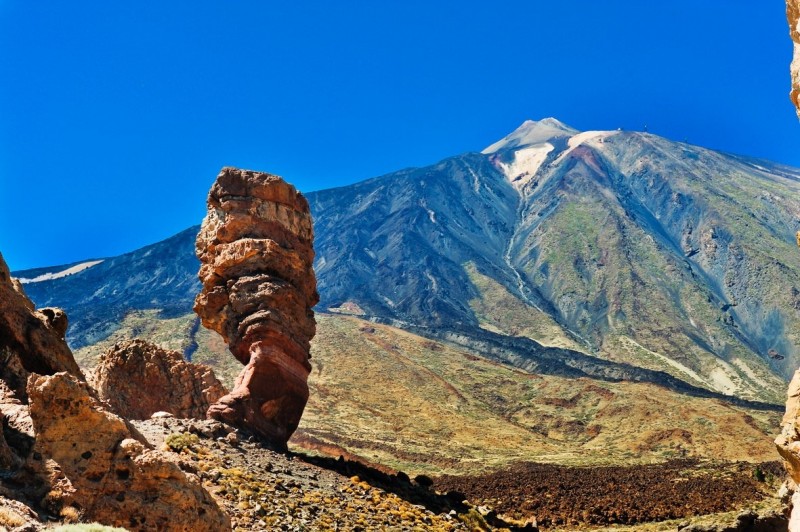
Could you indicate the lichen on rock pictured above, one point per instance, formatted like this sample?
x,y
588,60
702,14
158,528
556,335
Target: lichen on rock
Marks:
x,y
256,253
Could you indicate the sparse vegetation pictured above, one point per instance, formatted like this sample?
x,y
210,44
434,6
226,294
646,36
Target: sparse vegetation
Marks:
x,y
10,519
88,527
180,442
470,412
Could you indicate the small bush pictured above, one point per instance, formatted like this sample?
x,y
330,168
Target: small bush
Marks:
x,y
70,514
474,520
180,442
10,518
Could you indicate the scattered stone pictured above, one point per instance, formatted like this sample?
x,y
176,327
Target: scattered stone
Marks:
x,y
139,379
256,252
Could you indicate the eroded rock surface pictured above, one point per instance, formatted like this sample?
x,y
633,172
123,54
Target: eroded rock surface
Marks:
x,y
96,462
31,341
788,444
137,379
256,250
793,15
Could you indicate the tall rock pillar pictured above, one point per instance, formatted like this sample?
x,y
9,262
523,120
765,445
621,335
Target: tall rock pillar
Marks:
x,y
256,250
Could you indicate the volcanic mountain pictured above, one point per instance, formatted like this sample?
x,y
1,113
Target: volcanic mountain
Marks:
x,y
609,254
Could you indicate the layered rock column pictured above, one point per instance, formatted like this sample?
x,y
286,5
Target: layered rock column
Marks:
x,y
793,15
256,250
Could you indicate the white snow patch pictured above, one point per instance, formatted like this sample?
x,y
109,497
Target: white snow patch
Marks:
x,y
431,214
531,132
527,162
57,275
587,137
475,183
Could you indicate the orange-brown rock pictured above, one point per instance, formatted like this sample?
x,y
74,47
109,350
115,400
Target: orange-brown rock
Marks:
x,y
256,252
788,444
94,461
793,15
137,379
788,441
16,429
31,341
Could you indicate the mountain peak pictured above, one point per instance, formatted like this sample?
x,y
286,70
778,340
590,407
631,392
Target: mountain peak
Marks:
x,y
532,132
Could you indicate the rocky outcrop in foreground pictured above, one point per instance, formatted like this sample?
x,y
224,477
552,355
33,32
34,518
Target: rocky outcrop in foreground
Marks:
x,y
138,379
96,462
256,250
31,341
793,14
788,444
63,455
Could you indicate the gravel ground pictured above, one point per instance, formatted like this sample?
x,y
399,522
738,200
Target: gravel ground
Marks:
x,y
266,490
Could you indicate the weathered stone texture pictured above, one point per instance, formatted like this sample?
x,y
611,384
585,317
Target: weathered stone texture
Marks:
x,y
31,341
256,250
137,379
98,463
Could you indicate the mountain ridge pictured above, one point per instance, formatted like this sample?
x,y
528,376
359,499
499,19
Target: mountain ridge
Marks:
x,y
634,249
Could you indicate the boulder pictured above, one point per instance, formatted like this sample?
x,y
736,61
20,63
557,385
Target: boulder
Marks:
x,y
137,379
97,463
256,252
31,341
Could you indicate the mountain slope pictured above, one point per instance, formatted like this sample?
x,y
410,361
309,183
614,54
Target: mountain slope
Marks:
x,y
162,277
639,249
622,245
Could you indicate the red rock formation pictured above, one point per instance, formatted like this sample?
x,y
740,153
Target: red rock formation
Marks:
x,y
31,341
256,250
97,463
138,379
793,15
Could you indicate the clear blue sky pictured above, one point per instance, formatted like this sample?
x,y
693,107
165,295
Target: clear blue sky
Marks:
x,y
116,117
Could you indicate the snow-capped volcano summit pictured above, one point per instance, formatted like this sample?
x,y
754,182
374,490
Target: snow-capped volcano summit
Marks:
x,y
532,132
